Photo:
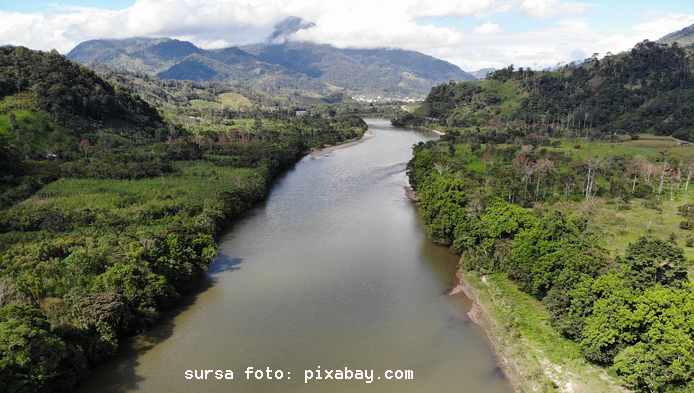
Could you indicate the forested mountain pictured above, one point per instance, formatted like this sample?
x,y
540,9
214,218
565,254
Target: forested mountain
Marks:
x,y
50,105
648,89
375,71
174,59
482,73
278,64
683,37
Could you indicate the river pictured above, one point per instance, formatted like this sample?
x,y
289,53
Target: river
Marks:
x,y
333,272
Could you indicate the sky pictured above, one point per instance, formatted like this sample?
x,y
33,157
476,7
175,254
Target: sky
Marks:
x,y
472,34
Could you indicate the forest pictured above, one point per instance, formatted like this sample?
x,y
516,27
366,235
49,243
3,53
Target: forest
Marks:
x,y
109,208
648,89
599,231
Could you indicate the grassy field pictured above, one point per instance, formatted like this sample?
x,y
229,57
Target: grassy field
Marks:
x,y
194,182
624,223
150,204
235,101
412,107
649,146
538,357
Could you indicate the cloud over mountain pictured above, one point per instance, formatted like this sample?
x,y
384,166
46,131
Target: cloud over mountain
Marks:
x,y
471,34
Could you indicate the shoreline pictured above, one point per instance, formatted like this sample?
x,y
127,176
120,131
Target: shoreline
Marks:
x,y
530,352
325,150
480,316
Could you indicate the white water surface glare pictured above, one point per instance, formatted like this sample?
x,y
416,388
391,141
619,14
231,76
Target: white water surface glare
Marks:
x,y
334,271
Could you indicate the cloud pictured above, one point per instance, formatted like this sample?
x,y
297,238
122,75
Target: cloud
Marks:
x,y
487,28
662,24
471,34
543,9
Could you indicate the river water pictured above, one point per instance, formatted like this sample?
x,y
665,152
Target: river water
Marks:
x,y
333,272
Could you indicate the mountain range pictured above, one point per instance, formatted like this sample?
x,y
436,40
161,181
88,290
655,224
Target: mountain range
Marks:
x,y
684,37
279,64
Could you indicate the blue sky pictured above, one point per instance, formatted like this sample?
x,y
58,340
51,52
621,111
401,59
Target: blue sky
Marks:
x,y
29,6
471,34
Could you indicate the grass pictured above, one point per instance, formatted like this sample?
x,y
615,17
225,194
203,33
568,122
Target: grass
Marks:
x,y
649,146
624,223
194,182
150,204
36,131
412,107
202,104
235,101
538,357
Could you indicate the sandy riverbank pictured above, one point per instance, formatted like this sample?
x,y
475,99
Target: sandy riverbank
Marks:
x,y
329,149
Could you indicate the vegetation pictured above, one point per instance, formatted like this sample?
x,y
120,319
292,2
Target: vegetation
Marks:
x,y
287,68
532,211
646,90
123,207
570,184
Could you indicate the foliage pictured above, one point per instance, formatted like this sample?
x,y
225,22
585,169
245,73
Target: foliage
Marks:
x,y
629,312
121,221
646,90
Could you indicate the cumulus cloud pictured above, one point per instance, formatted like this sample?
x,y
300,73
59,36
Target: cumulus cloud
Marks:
x,y
488,28
543,9
564,34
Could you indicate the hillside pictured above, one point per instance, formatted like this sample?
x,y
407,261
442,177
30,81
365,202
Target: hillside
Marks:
x,y
54,110
684,37
181,60
646,90
375,71
278,65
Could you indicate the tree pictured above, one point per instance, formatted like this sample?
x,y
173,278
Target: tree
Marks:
x,y
85,147
542,167
652,261
593,164
30,355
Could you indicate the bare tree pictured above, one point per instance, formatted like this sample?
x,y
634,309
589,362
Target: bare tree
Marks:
x,y
441,168
664,172
633,168
541,167
593,164
647,170
526,166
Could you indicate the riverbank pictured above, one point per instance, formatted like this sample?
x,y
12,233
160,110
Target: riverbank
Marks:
x,y
325,150
532,355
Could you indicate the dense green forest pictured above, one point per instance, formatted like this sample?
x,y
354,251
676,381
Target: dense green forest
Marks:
x,y
109,211
548,179
648,89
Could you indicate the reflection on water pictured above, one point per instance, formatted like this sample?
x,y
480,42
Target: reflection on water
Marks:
x,y
333,272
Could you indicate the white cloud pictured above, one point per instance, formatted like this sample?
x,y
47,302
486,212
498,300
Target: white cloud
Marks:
x,y
488,28
543,9
563,32
662,24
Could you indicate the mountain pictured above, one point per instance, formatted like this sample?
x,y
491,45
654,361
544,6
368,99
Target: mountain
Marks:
x,y
174,59
287,27
279,64
482,74
683,37
648,89
370,71
53,100
53,110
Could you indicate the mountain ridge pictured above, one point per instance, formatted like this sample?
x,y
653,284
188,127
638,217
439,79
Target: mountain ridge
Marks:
x,y
296,66
683,37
